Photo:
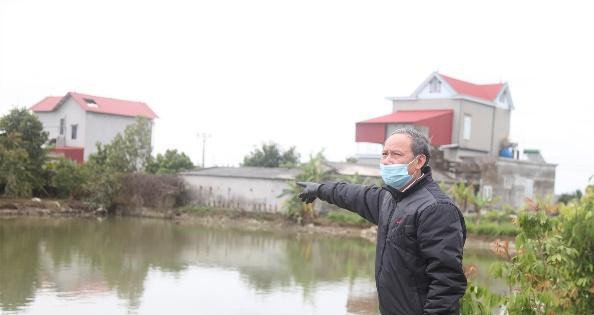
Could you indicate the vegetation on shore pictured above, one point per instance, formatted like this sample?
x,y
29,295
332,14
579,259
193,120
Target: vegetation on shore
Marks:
x,y
551,270
122,172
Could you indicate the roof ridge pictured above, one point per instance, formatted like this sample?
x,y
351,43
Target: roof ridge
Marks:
x,y
104,97
468,82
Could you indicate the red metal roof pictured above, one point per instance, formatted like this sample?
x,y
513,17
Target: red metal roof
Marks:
x,y
47,104
484,91
438,122
102,105
408,116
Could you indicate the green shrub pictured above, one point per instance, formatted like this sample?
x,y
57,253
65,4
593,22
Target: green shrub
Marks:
x,y
343,216
551,270
492,228
65,178
196,209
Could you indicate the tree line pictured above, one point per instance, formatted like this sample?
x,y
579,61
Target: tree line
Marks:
x,y
27,169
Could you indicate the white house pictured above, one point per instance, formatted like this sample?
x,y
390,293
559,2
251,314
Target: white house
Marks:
x,y
76,122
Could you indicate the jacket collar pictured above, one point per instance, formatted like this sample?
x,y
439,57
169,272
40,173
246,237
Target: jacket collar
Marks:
x,y
420,182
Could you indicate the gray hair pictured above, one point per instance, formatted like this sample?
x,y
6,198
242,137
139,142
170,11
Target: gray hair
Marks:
x,y
420,143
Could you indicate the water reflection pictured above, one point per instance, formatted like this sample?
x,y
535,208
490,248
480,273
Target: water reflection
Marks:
x,y
124,265
92,265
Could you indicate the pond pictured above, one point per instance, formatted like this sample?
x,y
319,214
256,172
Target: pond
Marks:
x,y
149,266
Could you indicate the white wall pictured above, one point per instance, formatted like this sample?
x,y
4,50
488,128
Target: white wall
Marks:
x,y
73,114
445,91
103,128
250,194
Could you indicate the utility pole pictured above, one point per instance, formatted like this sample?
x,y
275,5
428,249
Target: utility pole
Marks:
x,y
203,136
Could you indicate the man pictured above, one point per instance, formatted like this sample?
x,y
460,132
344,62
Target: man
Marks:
x,y
421,232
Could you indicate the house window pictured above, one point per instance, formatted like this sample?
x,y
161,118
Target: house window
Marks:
x,y
488,192
507,182
74,129
91,102
467,126
62,126
434,86
529,188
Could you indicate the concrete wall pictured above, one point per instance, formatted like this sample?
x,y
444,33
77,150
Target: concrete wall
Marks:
x,y
73,114
103,128
501,131
482,126
250,194
512,181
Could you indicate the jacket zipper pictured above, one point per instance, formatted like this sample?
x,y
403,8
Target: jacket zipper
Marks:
x,y
385,241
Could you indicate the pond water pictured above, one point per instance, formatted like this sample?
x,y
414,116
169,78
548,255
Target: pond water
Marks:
x,y
145,266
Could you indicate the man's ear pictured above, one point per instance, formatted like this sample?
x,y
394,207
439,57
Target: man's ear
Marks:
x,y
421,161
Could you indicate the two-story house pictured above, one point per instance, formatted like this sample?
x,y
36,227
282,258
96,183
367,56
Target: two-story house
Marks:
x,y
469,127
460,118
76,122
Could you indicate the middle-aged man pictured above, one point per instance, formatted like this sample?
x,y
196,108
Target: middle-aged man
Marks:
x,y
421,232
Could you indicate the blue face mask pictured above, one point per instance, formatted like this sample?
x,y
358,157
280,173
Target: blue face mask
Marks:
x,y
395,175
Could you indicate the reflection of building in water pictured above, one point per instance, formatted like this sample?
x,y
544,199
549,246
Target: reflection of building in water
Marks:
x,y
77,278
267,260
362,299
85,258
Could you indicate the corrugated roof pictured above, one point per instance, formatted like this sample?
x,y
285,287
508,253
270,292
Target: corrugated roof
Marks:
x,y
408,116
47,104
247,172
483,91
97,104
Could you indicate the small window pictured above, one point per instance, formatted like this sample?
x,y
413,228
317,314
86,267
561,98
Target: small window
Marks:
x,y
62,126
467,126
488,192
91,102
434,86
74,129
507,182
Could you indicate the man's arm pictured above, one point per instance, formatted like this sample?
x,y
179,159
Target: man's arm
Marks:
x,y
361,199
441,243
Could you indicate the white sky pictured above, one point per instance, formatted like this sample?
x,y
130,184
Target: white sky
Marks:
x,y
303,72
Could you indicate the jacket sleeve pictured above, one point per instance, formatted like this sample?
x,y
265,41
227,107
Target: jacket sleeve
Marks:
x,y
441,242
361,199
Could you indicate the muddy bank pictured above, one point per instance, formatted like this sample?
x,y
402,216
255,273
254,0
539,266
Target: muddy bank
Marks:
x,y
39,207
235,219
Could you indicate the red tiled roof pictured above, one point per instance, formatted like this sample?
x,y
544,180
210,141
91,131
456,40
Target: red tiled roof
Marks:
x,y
408,116
47,104
484,91
104,105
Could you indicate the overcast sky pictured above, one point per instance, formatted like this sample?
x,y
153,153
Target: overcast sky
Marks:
x,y
303,72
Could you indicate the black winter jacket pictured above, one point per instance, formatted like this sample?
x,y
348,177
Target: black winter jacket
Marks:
x,y
420,240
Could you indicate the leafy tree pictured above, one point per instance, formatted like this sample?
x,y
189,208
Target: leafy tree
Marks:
x,y
567,198
22,154
270,155
480,203
170,163
462,194
66,178
15,172
127,153
312,171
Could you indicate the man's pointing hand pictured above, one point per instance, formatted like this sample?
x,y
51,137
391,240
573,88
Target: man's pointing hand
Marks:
x,y
310,191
